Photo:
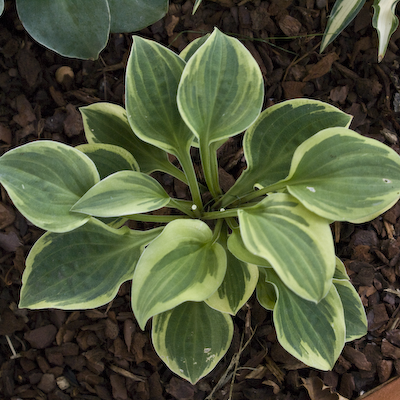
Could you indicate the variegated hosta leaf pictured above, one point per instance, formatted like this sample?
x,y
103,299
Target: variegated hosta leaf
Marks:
x,y
182,264
266,294
107,123
132,16
240,251
221,89
122,193
344,176
152,78
45,179
236,288
340,270
72,28
196,5
191,48
354,314
269,144
109,158
83,268
313,333
343,12
385,22
296,242
192,338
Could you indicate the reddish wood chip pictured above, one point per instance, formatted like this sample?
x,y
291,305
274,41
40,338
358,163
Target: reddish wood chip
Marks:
x,y
47,383
118,387
322,67
5,134
42,337
357,358
10,323
73,125
293,89
389,350
9,241
180,389
290,26
28,66
25,112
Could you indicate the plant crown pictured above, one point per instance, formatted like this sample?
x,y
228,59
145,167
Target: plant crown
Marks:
x,y
204,259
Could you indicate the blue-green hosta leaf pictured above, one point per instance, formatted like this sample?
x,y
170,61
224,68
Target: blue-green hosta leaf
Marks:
x,y
385,22
313,333
122,193
109,158
107,123
134,15
192,338
45,179
1,6
152,78
83,268
182,264
296,242
236,288
221,89
240,251
343,12
269,144
344,176
192,47
73,28
354,314
266,293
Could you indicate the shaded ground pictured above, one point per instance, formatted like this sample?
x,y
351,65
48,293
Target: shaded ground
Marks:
x,y
102,354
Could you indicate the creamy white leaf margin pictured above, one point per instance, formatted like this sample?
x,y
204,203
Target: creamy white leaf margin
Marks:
x,y
385,22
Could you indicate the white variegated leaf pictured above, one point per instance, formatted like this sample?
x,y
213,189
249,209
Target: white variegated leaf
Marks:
x,y
192,338
313,333
344,176
385,22
122,193
182,264
236,288
343,12
45,179
296,242
83,268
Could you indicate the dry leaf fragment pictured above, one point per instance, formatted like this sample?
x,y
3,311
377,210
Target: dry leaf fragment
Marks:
x,y
318,391
274,385
257,373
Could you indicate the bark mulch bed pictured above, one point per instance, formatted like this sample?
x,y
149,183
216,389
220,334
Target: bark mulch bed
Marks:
x,y
102,354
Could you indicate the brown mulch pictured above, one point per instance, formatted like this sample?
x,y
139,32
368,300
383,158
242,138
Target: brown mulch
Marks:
x,y
102,354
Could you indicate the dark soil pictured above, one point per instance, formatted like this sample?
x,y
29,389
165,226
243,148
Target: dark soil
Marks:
x,y
102,354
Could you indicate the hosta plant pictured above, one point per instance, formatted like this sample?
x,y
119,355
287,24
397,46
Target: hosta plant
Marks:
x,y
384,21
76,28
199,261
